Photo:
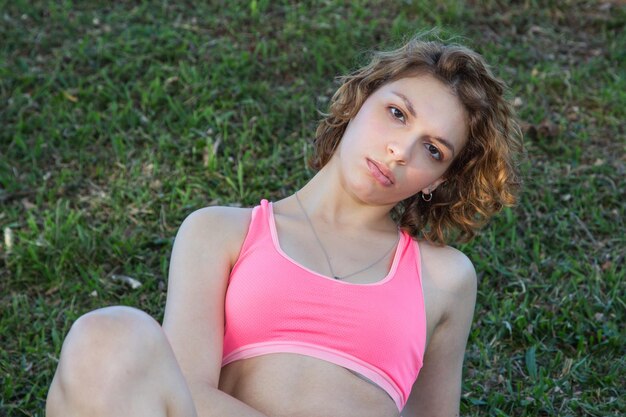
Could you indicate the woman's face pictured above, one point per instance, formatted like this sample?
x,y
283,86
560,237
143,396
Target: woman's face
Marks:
x,y
402,140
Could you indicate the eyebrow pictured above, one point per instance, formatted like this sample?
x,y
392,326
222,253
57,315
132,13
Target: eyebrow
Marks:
x,y
409,106
407,102
445,143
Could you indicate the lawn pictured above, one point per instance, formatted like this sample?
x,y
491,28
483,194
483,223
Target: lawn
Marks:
x,y
118,119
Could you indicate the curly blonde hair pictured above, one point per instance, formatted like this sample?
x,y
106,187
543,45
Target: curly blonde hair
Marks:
x,y
483,178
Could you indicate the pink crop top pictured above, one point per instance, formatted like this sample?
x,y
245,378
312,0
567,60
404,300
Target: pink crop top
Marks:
x,y
273,304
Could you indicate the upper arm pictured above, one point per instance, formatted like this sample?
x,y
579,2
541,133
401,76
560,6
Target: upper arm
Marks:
x,y
437,391
205,249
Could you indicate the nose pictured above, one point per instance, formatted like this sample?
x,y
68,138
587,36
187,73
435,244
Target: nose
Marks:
x,y
401,152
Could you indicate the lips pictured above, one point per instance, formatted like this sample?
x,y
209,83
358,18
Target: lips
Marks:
x,y
381,172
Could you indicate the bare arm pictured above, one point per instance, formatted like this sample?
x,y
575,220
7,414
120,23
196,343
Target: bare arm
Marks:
x,y
206,247
437,392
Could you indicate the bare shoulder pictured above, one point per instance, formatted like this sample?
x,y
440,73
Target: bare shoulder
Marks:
x,y
225,227
447,269
231,219
449,283
206,246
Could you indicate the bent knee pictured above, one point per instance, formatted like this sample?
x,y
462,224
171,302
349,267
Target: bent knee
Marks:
x,y
111,327
115,358
103,343
117,318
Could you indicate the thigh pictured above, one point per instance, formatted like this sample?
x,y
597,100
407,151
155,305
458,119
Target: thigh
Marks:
x,y
117,360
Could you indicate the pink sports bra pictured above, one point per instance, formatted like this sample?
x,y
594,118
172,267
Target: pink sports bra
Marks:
x,y
273,304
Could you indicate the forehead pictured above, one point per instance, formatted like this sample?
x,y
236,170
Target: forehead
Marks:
x,y
421,87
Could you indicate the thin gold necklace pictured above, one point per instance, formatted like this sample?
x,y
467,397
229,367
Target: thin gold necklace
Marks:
x,y
319,242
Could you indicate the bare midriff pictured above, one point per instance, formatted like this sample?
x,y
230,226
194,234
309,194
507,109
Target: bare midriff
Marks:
x,y
292,385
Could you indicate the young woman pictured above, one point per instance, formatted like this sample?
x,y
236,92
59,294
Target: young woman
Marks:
x,y
340,300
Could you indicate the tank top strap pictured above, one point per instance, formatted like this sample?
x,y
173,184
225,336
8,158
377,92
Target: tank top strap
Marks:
x,y
411,258
258,227
261,215
417,255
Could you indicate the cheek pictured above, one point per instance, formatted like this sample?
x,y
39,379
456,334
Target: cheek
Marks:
x,y
355,139
422,175
415,178
368,123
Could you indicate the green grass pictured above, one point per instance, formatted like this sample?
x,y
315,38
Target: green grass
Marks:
x,y
120,118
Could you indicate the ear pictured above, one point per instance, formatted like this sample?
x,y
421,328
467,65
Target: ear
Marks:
x,y
433,186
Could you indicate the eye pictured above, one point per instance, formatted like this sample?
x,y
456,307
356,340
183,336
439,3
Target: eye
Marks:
x,y
397,114
434,152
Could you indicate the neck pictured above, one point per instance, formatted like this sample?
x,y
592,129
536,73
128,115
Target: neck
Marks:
x,y
327,199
